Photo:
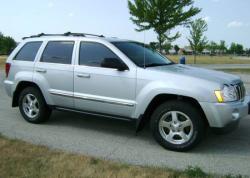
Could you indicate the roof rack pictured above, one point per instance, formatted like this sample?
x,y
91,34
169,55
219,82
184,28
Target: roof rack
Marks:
x,y
64,34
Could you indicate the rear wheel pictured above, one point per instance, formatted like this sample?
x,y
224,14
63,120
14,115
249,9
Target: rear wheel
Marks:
x,y
33,106
177,125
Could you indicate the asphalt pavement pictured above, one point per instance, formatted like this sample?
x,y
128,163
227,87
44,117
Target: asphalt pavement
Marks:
x,y
116,140
223,66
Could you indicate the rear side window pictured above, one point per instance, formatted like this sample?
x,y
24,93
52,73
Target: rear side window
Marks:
x,y
58,52
92,54
28,51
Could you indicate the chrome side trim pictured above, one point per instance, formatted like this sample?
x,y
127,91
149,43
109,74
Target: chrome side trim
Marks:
x,y
92,98
103,100
61,93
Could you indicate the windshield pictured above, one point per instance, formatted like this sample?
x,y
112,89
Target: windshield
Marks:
x,y
138,51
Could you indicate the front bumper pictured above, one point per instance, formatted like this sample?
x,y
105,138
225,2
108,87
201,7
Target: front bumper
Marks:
x,y
220,115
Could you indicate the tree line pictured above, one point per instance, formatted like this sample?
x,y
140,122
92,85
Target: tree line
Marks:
x,y
222,48
165,15
7,44
199,42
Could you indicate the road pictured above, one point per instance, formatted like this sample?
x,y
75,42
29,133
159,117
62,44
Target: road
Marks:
x,y
115,140
223,66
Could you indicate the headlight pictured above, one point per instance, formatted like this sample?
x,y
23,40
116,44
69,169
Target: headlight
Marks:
x,y
228,94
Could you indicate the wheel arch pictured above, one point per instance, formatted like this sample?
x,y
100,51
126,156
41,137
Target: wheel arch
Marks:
x,y
161,98
21,86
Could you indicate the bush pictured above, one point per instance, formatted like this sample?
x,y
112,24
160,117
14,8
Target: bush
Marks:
x,y
195,172
7,44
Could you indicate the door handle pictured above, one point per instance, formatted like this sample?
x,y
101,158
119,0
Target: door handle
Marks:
x,y
41,70
83,75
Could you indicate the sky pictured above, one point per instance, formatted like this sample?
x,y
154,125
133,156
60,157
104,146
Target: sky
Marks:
x,y
227,20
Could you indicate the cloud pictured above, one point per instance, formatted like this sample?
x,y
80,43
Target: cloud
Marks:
x,y
235,24
207,18
50,4
71,14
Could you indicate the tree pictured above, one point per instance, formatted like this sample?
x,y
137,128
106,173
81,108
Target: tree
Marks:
x,y
162,16
248,52
166,46
197,39
153,45
176,48
7,44
10,44
236,49
213,47
1,43
222,47
232,48
239,49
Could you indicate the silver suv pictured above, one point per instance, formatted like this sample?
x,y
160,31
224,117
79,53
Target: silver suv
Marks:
x,y
125,80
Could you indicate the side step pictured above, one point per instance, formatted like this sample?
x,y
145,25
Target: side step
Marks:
x,y
96,114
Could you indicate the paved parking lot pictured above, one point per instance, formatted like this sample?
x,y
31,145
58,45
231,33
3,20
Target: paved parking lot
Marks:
x,y
115,140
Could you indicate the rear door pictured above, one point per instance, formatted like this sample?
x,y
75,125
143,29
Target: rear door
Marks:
x,y
54,72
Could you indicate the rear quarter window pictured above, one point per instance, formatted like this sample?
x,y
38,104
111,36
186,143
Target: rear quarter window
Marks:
x,y
28,51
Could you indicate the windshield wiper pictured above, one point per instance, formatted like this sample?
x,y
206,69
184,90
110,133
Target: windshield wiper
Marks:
x,y
158,64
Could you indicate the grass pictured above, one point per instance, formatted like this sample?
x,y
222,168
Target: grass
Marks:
x,y
2,61
211,60
21,159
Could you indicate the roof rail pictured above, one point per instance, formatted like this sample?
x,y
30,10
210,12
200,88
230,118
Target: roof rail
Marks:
x,y
64,34
81,34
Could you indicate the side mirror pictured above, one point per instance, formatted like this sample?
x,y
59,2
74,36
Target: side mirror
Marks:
x,y
114,63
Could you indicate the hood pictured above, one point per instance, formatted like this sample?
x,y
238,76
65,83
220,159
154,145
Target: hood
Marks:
x,y
205,74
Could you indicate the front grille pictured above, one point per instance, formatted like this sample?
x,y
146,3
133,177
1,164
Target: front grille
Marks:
x,y
240,91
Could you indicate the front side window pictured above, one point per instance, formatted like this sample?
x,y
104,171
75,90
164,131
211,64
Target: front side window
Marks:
x,y
93,54
58,52
142,55
28,51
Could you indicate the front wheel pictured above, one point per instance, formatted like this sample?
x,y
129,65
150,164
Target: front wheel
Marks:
x,y
33,106
177,125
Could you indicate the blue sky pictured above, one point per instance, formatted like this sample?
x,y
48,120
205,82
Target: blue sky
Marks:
x,y
227,19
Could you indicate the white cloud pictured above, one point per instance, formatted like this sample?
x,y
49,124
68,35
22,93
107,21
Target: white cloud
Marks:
x,y
71,14
207,19
50,4
234,24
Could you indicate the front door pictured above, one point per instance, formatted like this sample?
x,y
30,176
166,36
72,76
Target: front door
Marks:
x,y
99,89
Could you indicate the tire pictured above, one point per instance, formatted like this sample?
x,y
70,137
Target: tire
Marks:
x,y
33,106
182,134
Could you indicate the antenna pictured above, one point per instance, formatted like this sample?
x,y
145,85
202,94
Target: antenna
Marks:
x,y
144,55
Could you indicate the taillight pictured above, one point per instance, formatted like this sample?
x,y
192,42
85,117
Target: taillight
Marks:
x,y
7,69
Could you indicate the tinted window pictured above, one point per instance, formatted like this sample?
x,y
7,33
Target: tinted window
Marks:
x,y
92,54
28,51
142,55
58,52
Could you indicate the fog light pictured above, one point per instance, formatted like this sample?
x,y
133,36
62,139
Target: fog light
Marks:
x,y
236,114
